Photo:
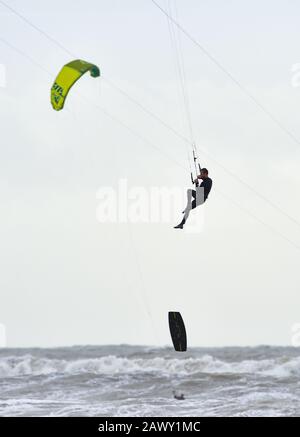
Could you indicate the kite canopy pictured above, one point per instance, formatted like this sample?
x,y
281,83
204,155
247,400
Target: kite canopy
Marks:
x,y
66,78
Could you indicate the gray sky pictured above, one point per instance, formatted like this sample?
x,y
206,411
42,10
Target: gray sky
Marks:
x,y
68,279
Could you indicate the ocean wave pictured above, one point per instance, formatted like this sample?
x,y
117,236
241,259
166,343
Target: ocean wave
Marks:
x,y
14,366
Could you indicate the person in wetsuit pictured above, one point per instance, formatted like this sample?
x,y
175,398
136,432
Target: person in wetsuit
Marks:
x,y
198,196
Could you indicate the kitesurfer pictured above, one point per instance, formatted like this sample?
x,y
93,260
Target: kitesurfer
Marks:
x,y
178,396
198,196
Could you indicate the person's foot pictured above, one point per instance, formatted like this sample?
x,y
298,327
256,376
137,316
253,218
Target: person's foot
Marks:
x,y
180,226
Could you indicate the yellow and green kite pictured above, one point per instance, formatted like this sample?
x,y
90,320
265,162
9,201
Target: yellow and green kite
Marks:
x,y
66,78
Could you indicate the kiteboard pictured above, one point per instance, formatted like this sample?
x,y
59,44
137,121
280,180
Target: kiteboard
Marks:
x,y
177,331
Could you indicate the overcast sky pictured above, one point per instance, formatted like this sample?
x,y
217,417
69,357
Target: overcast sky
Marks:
x,y
68,279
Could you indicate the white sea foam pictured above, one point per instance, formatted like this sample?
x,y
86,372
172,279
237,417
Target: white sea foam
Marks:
x,y
125,380
111,365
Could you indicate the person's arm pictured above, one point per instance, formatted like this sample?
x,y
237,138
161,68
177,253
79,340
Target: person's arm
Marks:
x,y
196,181
197,178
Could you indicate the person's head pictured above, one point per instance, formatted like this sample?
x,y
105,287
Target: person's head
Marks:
x,y
204,173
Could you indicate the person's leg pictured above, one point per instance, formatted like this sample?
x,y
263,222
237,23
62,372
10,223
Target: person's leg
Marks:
x,y
198,196
191,194
198,199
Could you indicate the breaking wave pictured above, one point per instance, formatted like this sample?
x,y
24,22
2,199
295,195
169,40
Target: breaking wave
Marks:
x,y
280,367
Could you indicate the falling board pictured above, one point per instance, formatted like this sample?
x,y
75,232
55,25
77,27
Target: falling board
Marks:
x,y
177,330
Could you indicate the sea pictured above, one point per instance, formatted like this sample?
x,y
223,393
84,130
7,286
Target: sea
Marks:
x,y
118,381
